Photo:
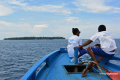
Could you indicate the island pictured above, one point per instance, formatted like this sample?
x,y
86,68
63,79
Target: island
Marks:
x,y
34,38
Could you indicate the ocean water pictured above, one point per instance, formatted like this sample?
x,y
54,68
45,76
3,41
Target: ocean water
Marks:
x,y
18,56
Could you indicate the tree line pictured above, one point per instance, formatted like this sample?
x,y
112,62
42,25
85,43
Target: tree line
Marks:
x,y
33,38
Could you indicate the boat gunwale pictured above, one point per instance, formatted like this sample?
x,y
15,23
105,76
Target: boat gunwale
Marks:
x,y
32,71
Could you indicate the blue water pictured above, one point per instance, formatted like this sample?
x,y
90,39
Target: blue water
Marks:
x,y
18,56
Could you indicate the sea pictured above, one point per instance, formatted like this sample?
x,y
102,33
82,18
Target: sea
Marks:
x,y
18,56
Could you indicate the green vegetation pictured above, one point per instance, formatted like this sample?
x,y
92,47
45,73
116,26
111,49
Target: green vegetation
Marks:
x,y
33,38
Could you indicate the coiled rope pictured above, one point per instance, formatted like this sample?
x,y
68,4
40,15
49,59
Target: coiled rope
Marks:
x,y
86,70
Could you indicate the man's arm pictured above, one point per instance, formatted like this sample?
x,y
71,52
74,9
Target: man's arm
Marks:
x,y
81,48
84,44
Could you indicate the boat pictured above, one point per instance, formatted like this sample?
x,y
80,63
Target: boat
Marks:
x,y
58,66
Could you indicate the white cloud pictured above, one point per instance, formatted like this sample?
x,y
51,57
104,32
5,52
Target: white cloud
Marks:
x,y
65,11
5,23
38,28
4,10
20,29
116,10
41,26
73,19
64,27
16,2
94,6
48,8
44,8
8,27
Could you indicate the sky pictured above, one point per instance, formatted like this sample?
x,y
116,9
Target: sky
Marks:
x,y
54,18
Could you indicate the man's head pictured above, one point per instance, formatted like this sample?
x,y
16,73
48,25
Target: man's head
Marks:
x,y
101,28
76,31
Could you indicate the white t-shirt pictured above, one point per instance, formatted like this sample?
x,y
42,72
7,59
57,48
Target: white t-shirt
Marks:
x,y
107,42
73,42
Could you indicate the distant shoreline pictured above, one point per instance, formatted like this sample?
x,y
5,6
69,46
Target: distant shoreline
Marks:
x,y
34,38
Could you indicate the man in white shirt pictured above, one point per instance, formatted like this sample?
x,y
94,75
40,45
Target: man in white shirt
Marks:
x,y
107,45
73,41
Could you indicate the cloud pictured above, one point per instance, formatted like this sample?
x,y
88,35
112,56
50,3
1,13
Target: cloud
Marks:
x,y
73,19
4,10
94,6
20,29
3,23
44,8
41,26
16,2
15,27
38,28
48,8
64,27
116,10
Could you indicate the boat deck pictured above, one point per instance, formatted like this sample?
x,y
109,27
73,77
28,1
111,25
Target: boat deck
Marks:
x,y
56,71
57,66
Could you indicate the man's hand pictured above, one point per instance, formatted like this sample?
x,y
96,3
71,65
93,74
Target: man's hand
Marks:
x,y
76,47
84,44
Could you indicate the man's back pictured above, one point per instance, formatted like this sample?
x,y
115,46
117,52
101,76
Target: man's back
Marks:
x,y
107,42
72,42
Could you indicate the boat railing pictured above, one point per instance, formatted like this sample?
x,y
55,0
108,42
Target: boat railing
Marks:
x,y
114,62
31,74
115,58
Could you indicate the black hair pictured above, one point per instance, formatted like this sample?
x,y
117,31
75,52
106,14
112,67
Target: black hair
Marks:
x,y
75,30
102,28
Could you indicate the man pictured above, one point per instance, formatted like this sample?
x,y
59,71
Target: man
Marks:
x,y
73,41
106,48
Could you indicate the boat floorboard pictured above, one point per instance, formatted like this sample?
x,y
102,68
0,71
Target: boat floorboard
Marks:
x,y
57,72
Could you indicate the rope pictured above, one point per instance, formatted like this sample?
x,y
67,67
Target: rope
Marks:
x,y
85,71
96,65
